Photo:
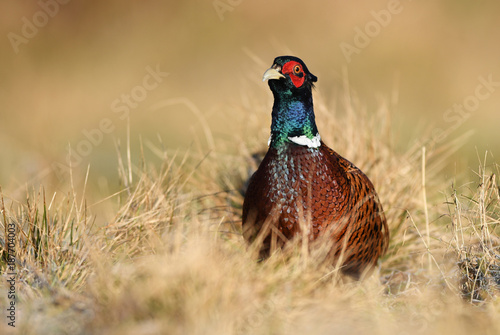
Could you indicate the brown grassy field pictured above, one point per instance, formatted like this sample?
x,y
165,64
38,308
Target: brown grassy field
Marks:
x,y
172,260
139,231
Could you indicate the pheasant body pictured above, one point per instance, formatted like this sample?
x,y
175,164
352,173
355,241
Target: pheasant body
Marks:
x,y
304,188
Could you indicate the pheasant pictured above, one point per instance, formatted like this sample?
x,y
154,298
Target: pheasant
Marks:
x,y
304,189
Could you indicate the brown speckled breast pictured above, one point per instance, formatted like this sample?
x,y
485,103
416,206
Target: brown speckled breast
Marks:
x,y
299,191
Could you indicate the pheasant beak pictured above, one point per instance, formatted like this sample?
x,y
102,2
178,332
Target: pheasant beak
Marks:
x,y
273,73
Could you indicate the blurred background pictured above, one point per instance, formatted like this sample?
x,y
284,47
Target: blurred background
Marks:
x,y
80,73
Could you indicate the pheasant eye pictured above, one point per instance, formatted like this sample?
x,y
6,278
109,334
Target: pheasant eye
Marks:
x,y
296,69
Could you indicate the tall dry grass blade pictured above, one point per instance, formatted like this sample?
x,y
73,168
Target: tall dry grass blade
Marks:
x,y
426,212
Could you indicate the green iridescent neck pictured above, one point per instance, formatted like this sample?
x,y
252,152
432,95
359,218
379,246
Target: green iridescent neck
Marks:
x,y
293,116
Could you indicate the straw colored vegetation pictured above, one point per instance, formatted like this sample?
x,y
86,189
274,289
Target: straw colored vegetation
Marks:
x,y
173,261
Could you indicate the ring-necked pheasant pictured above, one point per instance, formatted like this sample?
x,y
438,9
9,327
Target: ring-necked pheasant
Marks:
x,y
303,186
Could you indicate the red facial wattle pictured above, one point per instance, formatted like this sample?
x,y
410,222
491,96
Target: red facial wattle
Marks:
x,y
295,71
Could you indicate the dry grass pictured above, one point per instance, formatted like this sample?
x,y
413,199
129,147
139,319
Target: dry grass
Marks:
x,y
172,261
